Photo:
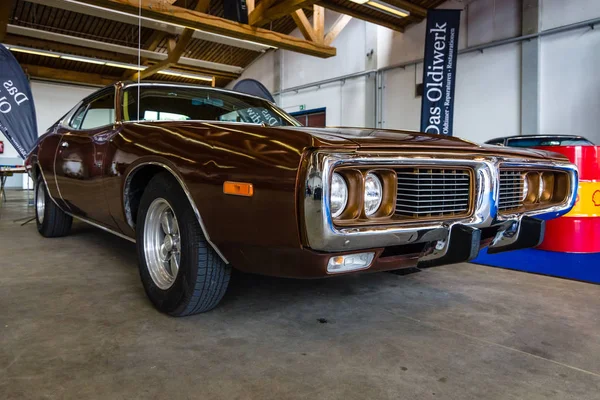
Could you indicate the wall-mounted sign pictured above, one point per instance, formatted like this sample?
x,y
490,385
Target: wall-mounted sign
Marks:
x,y
439,71
295,109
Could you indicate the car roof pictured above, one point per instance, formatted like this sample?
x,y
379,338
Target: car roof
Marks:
x,y
126,84
538,137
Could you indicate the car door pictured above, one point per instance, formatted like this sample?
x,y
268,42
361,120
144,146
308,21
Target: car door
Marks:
x,y
79,161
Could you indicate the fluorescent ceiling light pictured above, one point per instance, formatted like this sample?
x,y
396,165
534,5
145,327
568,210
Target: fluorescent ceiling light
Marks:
x,y
197,77
169,73
187,76
107,63
81,59
126,66
388,8
37,53
359,1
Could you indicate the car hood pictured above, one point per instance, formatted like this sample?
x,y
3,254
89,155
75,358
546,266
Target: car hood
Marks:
x,y
237,135
381,139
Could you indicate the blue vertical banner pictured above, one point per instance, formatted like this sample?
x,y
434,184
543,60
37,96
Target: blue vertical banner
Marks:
x,y
439,71
17,112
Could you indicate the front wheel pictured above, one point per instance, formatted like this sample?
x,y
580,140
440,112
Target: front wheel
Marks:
x,y
182,275
51,221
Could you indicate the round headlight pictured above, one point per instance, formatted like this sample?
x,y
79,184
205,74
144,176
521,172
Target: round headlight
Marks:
x,y
525,188
373,194
339,195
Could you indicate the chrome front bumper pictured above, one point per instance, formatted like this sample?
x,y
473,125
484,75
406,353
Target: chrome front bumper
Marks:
x,y
323,235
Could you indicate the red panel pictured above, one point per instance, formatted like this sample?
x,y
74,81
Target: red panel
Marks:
x,y
572,235
587,159
316,120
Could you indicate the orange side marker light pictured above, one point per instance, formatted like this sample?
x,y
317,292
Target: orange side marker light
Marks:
x,y
238,188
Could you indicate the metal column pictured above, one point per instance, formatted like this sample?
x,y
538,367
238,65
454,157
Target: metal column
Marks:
x,y
530,69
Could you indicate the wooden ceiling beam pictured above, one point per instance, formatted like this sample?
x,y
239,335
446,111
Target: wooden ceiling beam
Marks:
x,y
304,26
259,10
272,11
358,15
336,28
5,9
132,19
174,55
319,22
55,74
249,6
176,49
197,20
154,40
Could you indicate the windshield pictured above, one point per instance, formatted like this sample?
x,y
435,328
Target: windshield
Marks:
x,y
554,141
182,103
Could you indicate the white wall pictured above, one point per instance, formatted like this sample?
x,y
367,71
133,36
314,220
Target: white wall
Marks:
x,y
52,101
261,70
557,13
344,102
487,102
299,69
487,98
570,82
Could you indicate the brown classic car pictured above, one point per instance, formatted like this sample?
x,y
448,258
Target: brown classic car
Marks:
x,y
204,180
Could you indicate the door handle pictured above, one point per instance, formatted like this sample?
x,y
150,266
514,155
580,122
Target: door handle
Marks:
x,y
64,144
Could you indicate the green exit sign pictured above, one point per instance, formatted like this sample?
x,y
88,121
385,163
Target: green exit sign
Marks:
x,y
302,107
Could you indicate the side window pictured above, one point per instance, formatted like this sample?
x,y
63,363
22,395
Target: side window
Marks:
x,y
78,117
100,112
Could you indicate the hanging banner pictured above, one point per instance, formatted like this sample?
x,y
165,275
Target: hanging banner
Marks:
x,y
255,88
439,71
17,112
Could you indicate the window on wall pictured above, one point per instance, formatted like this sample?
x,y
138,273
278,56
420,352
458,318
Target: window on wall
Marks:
x,y
314,118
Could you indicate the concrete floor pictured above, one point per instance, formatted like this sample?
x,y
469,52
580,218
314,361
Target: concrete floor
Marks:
x,y
75,323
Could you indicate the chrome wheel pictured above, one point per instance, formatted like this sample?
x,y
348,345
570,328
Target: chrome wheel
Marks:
x,y
40,202
162,243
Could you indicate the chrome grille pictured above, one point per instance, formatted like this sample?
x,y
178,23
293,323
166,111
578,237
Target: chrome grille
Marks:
x,y
511,190
424,192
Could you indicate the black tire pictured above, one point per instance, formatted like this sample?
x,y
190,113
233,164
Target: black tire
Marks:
x,y
203,277
54,222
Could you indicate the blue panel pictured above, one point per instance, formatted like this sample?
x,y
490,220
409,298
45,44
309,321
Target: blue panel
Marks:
x,y
311,111
583,267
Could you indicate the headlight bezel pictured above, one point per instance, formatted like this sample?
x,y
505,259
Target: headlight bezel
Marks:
x,y
542,188
355,212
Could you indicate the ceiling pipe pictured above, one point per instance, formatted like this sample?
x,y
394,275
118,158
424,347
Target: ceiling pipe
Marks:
x,y
114,15
117,48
